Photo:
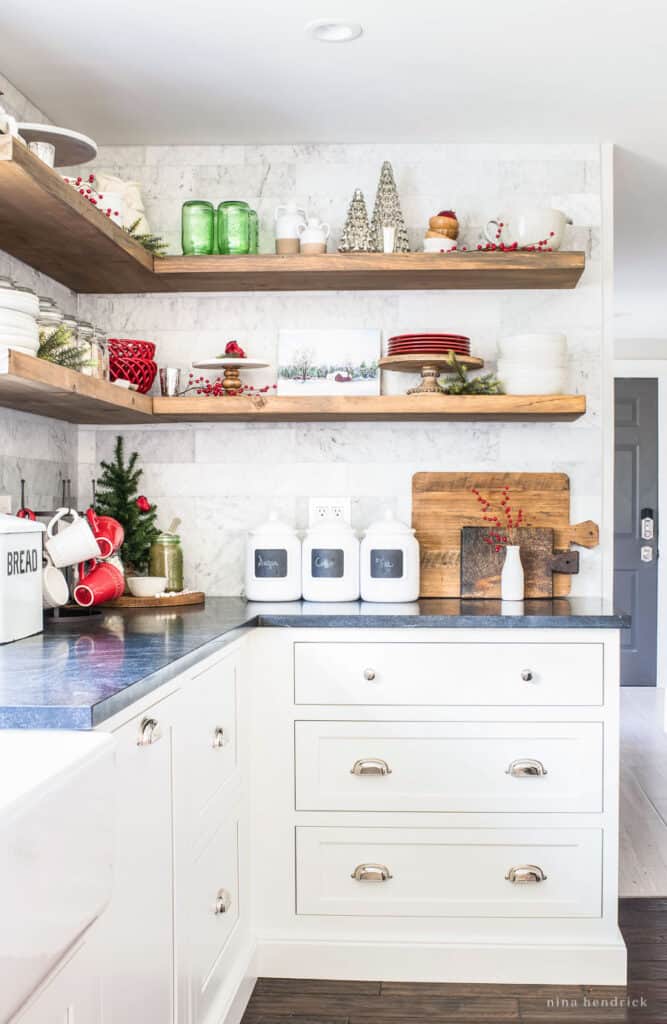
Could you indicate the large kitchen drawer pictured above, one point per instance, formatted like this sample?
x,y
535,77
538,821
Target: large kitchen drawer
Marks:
x,y
448,673
448,766
440,872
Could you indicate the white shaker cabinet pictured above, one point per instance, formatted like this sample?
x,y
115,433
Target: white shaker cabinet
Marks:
x,y
71,995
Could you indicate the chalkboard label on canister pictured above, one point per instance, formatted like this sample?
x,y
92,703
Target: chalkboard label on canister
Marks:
x,y
386,563
327,563
270,563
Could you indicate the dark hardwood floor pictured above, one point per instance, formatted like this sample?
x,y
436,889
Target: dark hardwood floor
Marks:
x,y
644,926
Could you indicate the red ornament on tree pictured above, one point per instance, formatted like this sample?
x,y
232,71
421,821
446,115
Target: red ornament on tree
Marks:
x,y
143,504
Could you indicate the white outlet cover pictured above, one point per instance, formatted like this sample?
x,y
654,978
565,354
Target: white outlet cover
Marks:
x,y
326,509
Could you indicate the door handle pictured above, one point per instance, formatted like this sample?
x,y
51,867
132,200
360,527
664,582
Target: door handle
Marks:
x,y
647,553
647,524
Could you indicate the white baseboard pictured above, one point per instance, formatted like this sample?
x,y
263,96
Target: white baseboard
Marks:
x,y
233,999
427,962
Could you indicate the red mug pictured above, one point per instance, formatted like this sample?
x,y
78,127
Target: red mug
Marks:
x,y
103,583
108,532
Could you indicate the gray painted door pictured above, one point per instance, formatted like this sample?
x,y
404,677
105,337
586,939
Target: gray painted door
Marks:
x,y
635,518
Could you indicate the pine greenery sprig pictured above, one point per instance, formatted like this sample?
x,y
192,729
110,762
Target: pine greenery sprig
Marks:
x,y
116,496
58,347
151,243
488,384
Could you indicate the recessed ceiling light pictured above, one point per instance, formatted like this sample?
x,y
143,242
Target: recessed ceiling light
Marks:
x,y
328,30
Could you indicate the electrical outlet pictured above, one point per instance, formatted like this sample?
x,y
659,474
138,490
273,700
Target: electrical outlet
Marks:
x,y
327,509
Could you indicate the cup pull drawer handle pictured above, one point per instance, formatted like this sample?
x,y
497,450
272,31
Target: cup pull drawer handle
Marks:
x,y
370,766
525,873
223,902
149,732
526,766
371,873
219,738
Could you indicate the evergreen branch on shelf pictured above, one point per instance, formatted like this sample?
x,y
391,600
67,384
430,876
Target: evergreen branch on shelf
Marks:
x,y
117,496
58,347
487,384
151,243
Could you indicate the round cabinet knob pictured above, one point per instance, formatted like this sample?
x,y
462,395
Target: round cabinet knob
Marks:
x,y
369,674
370,766
527,675
525,874
149,732
223,902
525,766
371,873
219,738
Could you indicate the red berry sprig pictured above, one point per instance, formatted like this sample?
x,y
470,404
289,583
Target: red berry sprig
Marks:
x,y
497,535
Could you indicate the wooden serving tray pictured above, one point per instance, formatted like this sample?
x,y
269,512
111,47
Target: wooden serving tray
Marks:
x,y
174,600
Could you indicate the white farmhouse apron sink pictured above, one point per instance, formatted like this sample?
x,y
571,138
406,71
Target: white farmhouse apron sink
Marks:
x,y
56,848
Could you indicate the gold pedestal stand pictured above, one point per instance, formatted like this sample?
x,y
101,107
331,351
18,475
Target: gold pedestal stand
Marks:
x,y
430,367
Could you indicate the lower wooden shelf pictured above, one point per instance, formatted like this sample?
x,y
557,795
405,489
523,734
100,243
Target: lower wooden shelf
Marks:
x,y
33,385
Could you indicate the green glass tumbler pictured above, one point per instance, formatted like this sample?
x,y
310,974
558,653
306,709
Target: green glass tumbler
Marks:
x,y
233,227
253,232
198,228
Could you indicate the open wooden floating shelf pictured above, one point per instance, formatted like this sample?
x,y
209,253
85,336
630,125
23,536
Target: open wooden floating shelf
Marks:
x,y
49,226
33,385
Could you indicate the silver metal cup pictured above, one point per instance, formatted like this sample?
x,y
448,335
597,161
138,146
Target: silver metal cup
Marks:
x,y
170,381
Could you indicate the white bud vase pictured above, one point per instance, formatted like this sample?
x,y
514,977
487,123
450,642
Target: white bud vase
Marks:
x,y
511,577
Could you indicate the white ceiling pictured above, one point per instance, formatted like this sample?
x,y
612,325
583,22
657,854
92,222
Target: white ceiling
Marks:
x,y
209,71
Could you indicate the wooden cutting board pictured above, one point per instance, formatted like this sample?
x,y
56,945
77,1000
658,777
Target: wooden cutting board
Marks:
x,y
443,503
481,563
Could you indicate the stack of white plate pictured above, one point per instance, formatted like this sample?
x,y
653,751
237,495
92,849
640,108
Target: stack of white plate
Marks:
x,y
533,364
19,308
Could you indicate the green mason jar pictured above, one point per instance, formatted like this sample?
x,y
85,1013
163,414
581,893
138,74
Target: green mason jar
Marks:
x,y
253,232
198,228
234,228
166,559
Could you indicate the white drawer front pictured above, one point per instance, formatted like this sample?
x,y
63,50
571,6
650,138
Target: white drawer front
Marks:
x,y
448,872
448,766
451,673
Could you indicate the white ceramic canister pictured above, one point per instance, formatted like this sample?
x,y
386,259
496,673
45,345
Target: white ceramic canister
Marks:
x,y
389,567
313,237
331,562
289,219
273,562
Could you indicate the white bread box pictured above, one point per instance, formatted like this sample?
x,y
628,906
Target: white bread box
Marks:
x,y
20,578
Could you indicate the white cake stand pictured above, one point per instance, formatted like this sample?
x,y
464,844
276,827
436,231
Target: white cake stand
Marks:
x,y
231,367
72,148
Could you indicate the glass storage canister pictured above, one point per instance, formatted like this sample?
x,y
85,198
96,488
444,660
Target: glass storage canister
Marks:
x,y
253,232
166,559
198,228
233,228
49,317
89,343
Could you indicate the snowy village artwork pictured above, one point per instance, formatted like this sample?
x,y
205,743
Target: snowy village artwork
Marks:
x,y
329,362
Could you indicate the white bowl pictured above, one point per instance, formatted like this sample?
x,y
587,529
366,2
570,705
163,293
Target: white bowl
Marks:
x,y
146,586
536,346
19,302
533,381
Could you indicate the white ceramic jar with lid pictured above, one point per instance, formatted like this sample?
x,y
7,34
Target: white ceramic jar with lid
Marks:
x,y
273,562
289,219
389,562
331,562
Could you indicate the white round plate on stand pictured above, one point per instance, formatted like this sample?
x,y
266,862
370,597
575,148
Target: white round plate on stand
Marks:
x,y
72,148
229,362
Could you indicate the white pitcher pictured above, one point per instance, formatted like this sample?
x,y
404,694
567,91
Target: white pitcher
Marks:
x,y
313,237
289,218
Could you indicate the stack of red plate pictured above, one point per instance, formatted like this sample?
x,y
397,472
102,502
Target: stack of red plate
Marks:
x,y
437,344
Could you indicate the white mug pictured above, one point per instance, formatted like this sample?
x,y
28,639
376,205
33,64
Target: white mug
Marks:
x,y
76,543
528,226
55,592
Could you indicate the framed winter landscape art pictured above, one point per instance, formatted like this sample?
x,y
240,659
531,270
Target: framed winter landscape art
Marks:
x,y
329,362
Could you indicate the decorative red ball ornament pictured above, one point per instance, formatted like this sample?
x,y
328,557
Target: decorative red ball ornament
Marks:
x,y
143,504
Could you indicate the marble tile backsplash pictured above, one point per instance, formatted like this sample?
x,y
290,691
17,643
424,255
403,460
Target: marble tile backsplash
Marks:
x,y
221,479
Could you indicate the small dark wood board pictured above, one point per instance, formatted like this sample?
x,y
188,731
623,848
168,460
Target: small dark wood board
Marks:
x,y
481,564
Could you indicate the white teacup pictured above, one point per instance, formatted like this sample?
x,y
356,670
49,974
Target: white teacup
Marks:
x,y
76,543
528,226
55,592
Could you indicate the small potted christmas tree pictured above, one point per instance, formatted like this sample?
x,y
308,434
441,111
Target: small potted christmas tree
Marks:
x,y
117,496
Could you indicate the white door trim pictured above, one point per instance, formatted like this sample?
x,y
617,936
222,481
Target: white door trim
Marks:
x,y
655,369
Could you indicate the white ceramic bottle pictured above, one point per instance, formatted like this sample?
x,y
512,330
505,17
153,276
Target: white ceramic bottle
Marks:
x,y
273,562
331,562
389,567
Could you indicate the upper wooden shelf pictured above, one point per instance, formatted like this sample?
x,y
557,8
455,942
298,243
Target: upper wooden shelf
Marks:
x,y
49,226
33,385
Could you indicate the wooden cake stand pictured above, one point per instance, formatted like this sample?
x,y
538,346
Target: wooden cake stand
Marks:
x,y
430,366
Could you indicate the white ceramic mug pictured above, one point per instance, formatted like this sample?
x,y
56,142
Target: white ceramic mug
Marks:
x,y
528,226
55,592
76,543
